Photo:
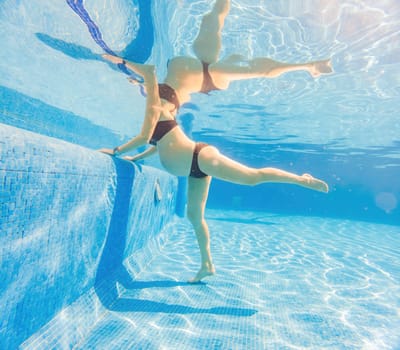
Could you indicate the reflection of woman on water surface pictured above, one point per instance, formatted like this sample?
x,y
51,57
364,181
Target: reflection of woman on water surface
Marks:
x,y
187,75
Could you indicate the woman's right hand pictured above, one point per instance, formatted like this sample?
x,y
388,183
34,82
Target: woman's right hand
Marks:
x,y
107,151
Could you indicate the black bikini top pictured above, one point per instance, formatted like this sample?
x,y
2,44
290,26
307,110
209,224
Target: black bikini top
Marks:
x,y
161,129
208,84
167,93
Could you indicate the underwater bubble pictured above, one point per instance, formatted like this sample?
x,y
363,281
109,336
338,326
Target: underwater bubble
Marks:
x,y
386,201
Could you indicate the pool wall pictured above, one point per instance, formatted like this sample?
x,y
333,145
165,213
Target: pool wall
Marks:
x,y
74,226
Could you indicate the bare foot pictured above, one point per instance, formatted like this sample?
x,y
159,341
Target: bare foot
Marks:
x,y
314,184
203,272
321,67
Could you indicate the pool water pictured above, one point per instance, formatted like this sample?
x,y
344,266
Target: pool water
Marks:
x,y
295,269
282,282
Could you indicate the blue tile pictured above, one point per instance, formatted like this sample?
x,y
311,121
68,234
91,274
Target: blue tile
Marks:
x,y
67,215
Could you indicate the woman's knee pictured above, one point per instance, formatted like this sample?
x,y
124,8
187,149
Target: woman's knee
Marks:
x,y
221,7
254,177
195,216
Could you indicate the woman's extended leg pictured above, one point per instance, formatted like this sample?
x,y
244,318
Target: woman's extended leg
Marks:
x,y
237,67
197,198
207,45
213,163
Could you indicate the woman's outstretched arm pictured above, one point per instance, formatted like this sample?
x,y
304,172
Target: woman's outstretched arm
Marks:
x,y
153,105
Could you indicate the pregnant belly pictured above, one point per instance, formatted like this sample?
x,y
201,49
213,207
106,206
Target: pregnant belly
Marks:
x,y
175,160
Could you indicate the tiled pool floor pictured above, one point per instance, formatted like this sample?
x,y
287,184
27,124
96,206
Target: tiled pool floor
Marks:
x,y
282,283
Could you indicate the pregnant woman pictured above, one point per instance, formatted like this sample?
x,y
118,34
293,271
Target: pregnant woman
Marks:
x,y
181,156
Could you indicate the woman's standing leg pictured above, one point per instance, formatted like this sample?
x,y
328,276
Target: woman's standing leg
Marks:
x,y
196,203
207,45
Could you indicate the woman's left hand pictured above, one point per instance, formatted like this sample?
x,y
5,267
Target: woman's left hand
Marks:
x,y
113,59
107,151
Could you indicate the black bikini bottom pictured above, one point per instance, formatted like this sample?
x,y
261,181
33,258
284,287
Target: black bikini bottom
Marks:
x,y
194,169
